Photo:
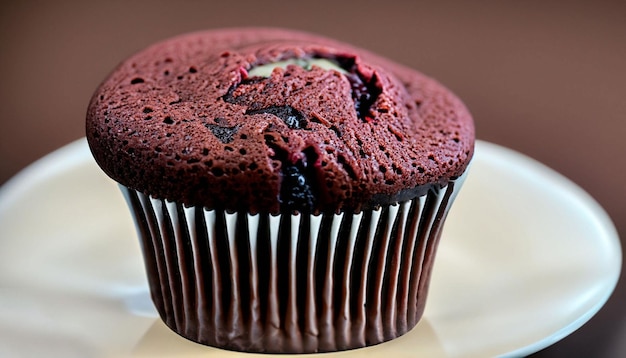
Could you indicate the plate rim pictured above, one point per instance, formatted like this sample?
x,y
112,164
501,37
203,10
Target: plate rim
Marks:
x,y
595,211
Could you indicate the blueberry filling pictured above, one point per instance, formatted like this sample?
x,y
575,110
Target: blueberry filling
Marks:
x,y
365,91
293,118
364,95
295,191
298,189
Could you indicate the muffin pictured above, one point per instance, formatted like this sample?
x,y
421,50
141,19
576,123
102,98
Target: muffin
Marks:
x,y
289,190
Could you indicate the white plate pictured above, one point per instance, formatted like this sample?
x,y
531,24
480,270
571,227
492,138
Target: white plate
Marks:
x,y
527,257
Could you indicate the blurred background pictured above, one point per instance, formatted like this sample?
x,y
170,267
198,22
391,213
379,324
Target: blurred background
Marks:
x,y
547,79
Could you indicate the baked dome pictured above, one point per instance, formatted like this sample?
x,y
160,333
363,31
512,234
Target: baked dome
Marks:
x,y
265,120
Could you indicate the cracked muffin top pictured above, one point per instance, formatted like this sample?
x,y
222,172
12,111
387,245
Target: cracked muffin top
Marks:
x,y
270,120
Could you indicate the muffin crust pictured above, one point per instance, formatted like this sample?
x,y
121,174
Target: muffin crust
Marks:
x,y
184,121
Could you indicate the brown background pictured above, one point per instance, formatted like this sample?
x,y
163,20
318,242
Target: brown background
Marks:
x,y
545,78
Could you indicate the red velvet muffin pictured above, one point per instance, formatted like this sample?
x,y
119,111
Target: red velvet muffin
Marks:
x,y
289,190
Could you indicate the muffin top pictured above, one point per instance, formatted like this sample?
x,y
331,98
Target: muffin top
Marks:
x,y
268,120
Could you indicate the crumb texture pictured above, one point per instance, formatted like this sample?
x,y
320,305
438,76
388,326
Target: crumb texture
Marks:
x,y
183,120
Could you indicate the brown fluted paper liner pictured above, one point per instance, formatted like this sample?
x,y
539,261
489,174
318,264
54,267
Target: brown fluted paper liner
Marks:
x,y
290,283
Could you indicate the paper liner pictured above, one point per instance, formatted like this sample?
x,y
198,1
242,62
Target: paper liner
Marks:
x,y
290,283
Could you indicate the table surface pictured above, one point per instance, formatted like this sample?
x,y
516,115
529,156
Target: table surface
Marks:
x,y
544,78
